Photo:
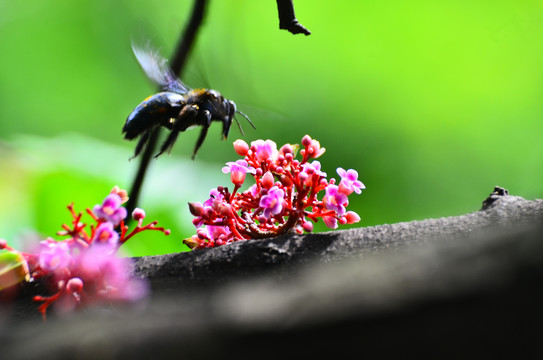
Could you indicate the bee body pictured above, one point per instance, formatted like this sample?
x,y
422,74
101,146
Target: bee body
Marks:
x,y
156,110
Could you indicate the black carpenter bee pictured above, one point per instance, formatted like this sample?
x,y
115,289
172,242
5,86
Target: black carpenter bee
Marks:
x,y
177,107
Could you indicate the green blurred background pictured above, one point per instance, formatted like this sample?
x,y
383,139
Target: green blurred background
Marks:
x,y
433,102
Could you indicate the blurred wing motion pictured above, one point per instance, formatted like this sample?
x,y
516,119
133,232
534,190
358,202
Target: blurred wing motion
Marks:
x,y
157,69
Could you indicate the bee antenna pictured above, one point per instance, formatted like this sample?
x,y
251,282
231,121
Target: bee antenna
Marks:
x,y
239,127
246,117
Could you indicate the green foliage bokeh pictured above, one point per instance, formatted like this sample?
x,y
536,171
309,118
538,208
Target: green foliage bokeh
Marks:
x,y
433,103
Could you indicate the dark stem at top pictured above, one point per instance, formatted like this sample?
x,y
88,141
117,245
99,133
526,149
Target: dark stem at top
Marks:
x,y
287,18
177,63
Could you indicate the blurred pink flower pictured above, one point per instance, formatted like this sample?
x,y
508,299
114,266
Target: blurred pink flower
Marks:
x,y
111,209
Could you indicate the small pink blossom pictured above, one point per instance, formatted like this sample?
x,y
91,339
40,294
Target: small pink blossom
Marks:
x,y
310,170
106,235
349,181
330,221
111,209
214,195
264,150
312,147
54,255
217,232
272,202
110,274
335,200
237,171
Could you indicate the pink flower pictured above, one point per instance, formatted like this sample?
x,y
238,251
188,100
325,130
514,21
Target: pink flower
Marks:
x,y
313,147
264,150
313,168
109,275
111,209
106,235
349,181
330,221
237,171
252,190
214,195
334,200
272,202
309,170
217,232
54,255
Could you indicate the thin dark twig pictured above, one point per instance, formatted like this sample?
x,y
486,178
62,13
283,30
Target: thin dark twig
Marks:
x,y
185,42
287,18
178,62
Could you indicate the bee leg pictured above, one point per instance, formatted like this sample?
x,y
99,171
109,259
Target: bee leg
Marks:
x,y
141,143
168,144
203,133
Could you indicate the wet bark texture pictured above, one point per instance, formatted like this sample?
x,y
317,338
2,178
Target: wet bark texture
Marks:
x,y
460,286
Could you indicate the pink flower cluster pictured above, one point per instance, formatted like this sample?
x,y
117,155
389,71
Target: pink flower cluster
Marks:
x,y
284,197
83,269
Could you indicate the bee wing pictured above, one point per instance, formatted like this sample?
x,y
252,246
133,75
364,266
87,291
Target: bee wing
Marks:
x,y
157,69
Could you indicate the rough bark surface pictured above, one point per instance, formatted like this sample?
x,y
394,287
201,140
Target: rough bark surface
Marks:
x,y
458,286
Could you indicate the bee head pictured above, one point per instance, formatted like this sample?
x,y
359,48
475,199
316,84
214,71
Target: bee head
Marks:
x,y
230,106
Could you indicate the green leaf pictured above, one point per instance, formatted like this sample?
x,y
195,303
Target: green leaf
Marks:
x,y
13,269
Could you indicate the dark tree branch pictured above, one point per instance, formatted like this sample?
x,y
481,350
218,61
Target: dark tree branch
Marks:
x,y
178,62
287,18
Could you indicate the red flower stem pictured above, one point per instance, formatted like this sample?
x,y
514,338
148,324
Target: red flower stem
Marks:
x,y
151,226
48,300
279,231
93,216
236,187
236,232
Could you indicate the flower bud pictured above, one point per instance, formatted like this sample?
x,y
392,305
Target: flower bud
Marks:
x,y
286,149
193,242
352,217
267,180
75,285
225,209
138,214
241,147
306,141
196,209
285,180
308,226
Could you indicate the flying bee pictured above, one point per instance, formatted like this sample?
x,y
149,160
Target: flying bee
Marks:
x,y
176,107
